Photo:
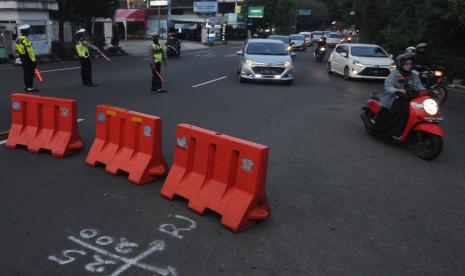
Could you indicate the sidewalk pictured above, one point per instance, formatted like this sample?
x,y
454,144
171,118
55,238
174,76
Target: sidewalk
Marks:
x,y
141,47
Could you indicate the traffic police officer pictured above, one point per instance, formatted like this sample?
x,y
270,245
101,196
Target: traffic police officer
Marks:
x,y
27,57
156,57
82,48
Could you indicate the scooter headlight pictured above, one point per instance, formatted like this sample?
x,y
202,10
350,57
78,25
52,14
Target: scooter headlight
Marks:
x,y
430,106
438,73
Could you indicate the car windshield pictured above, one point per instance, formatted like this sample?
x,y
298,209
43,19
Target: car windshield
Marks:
x,y
284,39
306,35
368,51
267,48
297,37
335,36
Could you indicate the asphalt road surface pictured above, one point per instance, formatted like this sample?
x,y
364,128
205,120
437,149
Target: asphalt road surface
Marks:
x,y
342,202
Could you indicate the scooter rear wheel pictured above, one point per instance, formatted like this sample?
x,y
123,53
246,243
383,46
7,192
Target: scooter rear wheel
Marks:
x,y
427,146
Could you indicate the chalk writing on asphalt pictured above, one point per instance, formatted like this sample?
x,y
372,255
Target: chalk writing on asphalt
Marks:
x,y
111,256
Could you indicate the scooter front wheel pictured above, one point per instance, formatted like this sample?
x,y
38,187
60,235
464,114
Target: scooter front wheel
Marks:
x,y
427,146
441,94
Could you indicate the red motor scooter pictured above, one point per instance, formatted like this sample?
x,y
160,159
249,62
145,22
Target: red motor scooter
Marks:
x,y
423,123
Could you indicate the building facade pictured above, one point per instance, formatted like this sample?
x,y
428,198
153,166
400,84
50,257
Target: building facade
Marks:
x,y
33,12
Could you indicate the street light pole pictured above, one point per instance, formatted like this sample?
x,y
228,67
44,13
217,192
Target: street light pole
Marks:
x,y
159,20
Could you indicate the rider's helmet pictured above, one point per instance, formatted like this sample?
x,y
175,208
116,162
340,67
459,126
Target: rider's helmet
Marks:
x,y
422,48
410,50
401,59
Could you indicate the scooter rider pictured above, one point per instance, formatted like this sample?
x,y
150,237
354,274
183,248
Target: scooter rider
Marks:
x,y
321,43
394,113
172,40
422,60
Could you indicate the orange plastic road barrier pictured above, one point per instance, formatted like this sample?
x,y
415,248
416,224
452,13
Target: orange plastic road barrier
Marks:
x,y
44,123
221,173
128,141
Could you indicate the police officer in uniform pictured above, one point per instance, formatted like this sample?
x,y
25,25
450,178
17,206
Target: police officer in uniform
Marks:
x,y
82,48
156,57
27,56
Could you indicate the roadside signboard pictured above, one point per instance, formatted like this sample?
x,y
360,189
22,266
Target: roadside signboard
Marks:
x,y
256,12
306,12
206,6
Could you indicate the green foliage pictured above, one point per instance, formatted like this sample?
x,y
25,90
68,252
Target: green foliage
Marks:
x,y
399,24
63,50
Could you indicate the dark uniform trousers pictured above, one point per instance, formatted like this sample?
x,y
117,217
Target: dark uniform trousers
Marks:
x,y
86,71
28,68
156,81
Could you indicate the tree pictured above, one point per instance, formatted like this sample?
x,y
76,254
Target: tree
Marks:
x,y
279,14
82,12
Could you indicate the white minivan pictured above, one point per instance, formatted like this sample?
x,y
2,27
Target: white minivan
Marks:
x,y
367,61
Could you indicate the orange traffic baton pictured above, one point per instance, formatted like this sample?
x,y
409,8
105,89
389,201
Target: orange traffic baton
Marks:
x,y
39,76
128,141
44,123
221,173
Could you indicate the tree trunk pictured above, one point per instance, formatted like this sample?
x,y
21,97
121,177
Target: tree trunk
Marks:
x,y
61,20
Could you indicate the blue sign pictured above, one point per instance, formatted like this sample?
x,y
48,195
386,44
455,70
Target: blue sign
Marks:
x,y
206,6
305,12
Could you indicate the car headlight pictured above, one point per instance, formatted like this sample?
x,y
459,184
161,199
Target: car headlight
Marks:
x,y
287,64
358,63
289,48
249,62
430,106
438,73
322,48
393,66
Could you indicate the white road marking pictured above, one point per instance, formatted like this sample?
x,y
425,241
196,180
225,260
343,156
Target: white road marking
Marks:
x,y
80,120
204,83
63,69
231,55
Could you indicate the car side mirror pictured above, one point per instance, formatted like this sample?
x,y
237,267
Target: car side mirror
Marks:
x,y
391,56
293,54
239,53
344,54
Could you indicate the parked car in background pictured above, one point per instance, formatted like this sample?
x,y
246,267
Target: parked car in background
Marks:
x,y
368,61
308,37
316,36
265,59
298,42
333,39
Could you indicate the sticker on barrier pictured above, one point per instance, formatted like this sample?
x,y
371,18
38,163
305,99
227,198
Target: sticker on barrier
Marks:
x,y
221,173
128,141
44,123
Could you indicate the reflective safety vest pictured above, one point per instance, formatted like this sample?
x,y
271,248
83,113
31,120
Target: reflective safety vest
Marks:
x,y
157,52
82,50
24,46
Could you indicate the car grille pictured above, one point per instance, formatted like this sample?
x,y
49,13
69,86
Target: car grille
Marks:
x,y
375,72
268,71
